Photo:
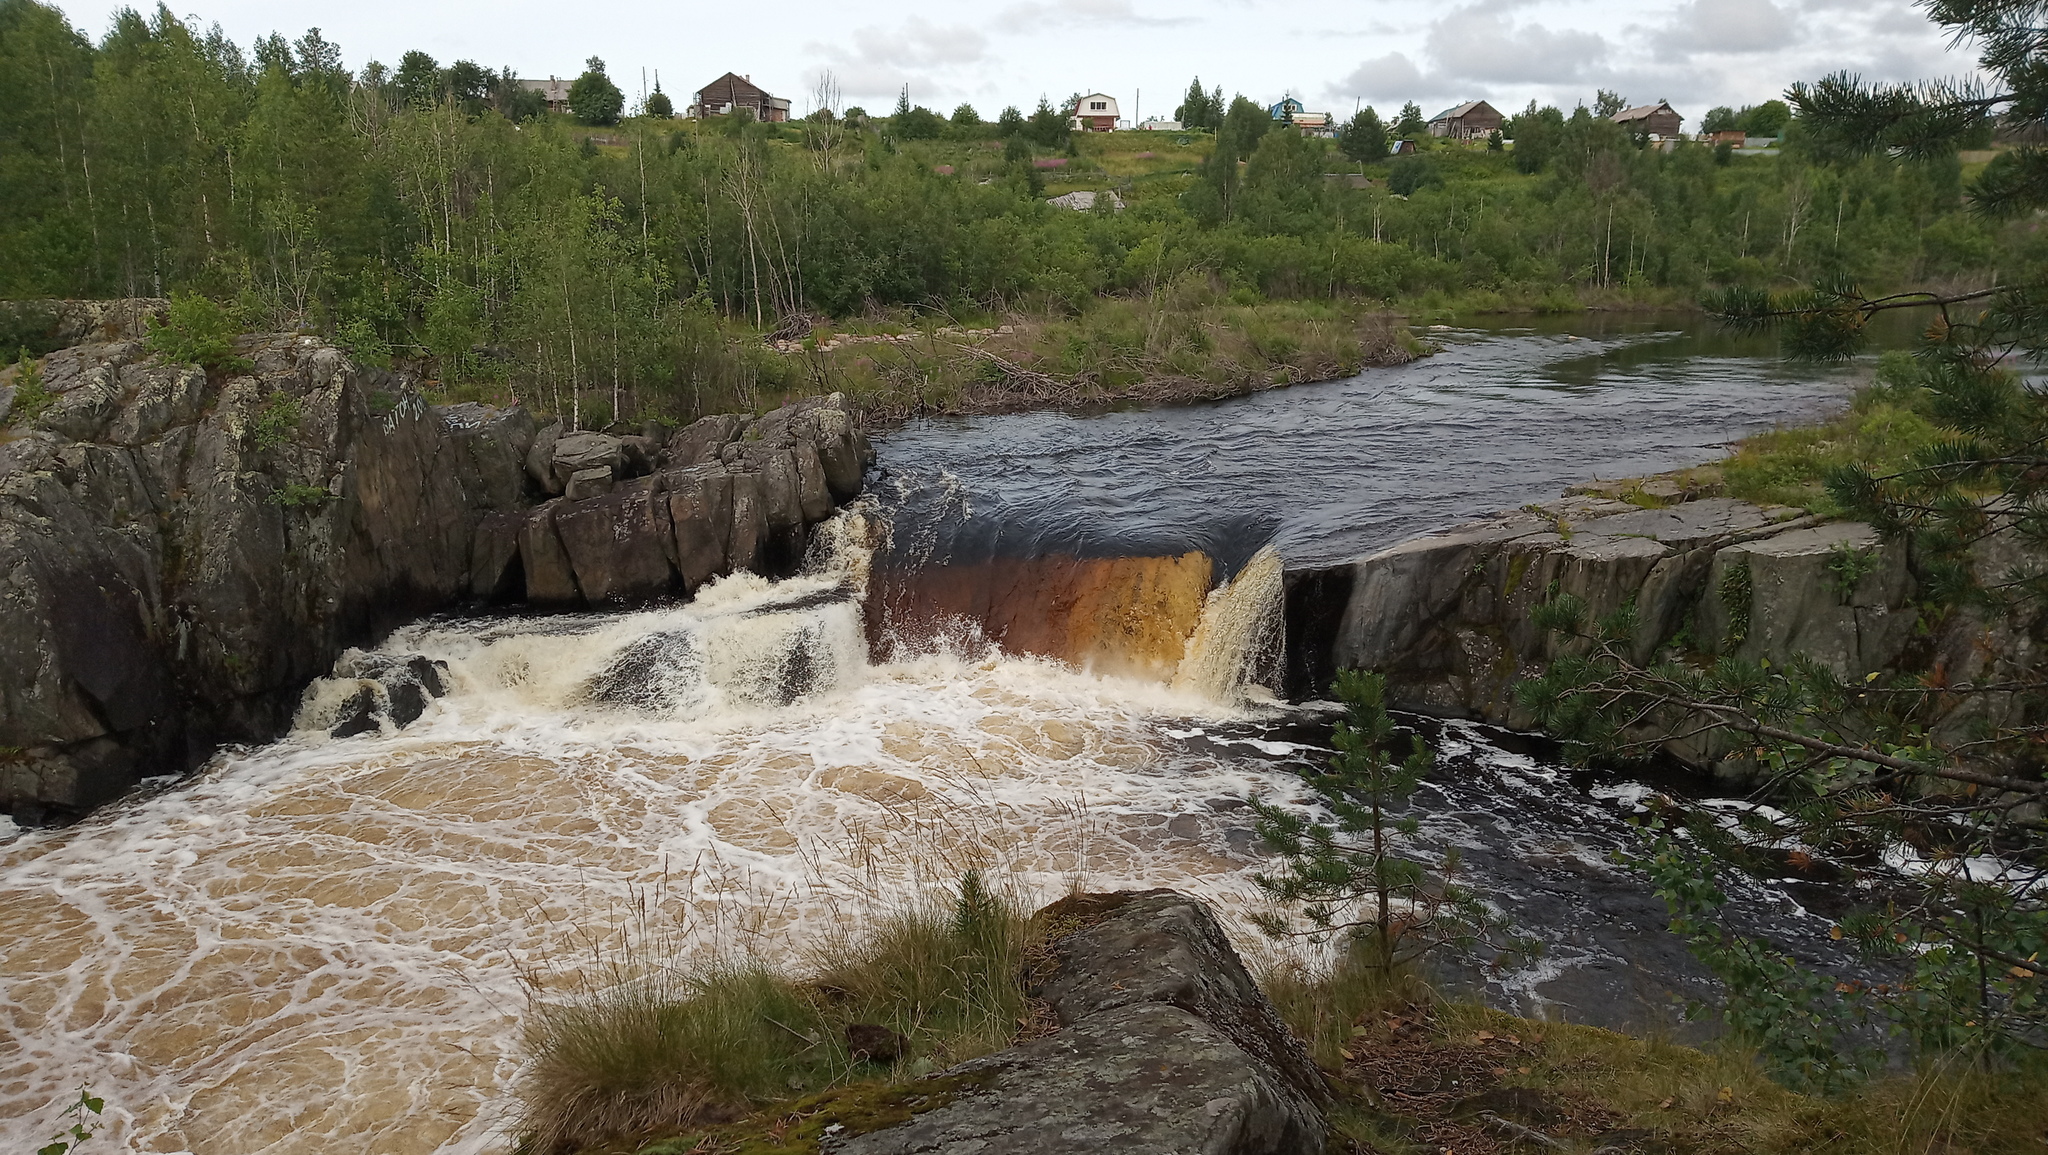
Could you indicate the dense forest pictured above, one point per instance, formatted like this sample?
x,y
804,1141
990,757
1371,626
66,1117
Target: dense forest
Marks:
x,y
435,212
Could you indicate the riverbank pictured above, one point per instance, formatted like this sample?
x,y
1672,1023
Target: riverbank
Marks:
x,y
953,1017
1120,351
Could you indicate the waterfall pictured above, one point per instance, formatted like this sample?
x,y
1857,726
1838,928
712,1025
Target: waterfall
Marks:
x,y
1237,644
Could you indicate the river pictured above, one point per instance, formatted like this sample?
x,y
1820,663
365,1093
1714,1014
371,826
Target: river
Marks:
x,y
325,944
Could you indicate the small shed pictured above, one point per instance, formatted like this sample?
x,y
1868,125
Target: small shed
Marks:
x,y
1095,112
1658,119
1473,120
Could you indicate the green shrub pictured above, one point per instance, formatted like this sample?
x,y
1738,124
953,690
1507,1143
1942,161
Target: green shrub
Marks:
x,y
276,422
198,332
31,396
359,338
296,496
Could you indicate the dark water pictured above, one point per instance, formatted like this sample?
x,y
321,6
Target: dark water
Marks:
x,y
1536,841
1507,413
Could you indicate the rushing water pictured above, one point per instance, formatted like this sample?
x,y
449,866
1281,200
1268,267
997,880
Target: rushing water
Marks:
x,y
324,944
1327,472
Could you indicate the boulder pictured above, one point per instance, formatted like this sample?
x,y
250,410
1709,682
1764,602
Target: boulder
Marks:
x,y
494,571
748,535
585,484
701,440
1169,1048
1160,946
550,580
639,454
491,446
700,507
813,495
540,458
394,689
620,547
843,457
576,452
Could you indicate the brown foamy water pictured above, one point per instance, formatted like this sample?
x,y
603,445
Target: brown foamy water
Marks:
x,y
318,945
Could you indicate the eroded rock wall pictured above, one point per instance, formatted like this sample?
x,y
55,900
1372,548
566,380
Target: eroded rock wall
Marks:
x,y
181,552
1447,616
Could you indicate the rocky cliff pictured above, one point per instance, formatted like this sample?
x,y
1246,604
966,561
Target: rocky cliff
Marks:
x,y
181,550
1447,616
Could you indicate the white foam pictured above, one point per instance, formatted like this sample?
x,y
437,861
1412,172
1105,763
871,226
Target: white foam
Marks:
x,y
319,945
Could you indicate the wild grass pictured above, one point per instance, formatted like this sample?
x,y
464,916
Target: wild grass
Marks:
x,y
1719,1100
1887,422
1186,342
648,1047
1326,1005
1370,1027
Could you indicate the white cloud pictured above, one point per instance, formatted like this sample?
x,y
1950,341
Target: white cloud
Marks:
x,y
1723,26
874,62
1389,77
1036,16
1474,45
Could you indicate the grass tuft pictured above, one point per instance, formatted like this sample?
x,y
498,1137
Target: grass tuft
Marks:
x,y
1886,424
657,1049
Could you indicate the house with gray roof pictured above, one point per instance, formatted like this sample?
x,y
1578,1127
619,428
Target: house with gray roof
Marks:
x,y
1473,120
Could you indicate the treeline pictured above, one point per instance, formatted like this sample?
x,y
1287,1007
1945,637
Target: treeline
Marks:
x,y
430,212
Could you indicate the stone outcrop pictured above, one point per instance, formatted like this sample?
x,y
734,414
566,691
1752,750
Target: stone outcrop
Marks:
x,y
1447,616
44,326
1165,1045
182,551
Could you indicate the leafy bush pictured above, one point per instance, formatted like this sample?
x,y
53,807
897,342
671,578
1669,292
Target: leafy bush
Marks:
x,y
198,331
31,396
296,496
276,421
359,338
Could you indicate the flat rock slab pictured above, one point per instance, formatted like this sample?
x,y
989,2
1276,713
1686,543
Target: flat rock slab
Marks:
x,y
1149,1079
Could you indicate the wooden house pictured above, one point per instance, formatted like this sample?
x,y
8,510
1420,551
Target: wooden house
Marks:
x,y
1658,119
1095,112
732,93
1473,120
552,90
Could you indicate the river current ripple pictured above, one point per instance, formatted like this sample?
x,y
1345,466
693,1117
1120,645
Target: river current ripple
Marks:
x,y
1326,472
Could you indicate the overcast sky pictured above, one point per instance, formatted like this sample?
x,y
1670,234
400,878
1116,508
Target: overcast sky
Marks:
x,y
1696,53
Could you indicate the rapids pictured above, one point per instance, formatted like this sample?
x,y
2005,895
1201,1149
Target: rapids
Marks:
x,y
324,944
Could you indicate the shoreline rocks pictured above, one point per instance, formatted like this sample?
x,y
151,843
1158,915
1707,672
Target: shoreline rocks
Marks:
x,y
1447,616
181,552
1165,1045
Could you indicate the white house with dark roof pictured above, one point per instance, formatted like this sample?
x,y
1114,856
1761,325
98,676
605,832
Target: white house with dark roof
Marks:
x,y
1095,112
